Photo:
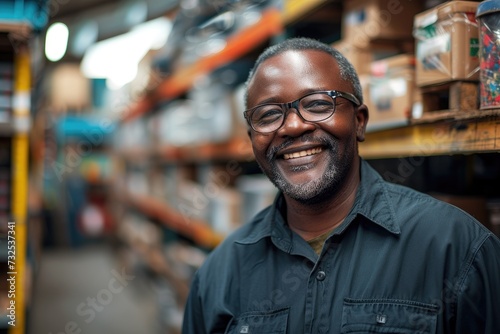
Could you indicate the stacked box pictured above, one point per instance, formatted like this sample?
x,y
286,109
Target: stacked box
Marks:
x,y
368,21
390,90
447,43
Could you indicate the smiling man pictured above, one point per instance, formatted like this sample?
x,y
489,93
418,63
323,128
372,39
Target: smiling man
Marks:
x,y
340,250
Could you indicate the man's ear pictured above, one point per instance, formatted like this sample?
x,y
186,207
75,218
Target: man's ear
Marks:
x,y
361,122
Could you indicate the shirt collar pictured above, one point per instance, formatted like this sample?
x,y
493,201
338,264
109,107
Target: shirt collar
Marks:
x,y
372,202
270,223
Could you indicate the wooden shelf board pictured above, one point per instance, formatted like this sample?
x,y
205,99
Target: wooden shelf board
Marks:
x,y
238,149
434,116
454,133
197,230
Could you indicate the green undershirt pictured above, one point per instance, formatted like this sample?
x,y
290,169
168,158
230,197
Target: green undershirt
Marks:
x,y
317,242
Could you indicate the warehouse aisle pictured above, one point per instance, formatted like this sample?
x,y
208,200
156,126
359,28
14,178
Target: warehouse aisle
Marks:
x,y
85,291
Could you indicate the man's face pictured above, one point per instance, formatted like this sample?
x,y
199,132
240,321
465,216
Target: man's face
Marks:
x,y
307,161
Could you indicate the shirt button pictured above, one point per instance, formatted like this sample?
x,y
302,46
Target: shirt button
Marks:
x,y
321,275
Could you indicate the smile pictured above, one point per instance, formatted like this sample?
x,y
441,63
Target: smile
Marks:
x,y
302,153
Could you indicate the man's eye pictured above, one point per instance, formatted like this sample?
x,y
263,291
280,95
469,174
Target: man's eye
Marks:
x,y
319,106
268,115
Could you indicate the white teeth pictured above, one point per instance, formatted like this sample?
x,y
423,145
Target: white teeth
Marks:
x,y
302,153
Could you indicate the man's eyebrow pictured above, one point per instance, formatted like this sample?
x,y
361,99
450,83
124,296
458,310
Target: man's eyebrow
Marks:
x,y
269,100
274,99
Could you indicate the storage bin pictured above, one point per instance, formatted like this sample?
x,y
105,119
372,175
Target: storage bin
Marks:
x,y
488,17
447,43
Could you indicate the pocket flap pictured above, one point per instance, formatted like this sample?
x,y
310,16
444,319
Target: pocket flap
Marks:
x,y
388,316
273,322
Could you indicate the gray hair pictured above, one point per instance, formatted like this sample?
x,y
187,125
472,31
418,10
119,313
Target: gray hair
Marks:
x,y
347,71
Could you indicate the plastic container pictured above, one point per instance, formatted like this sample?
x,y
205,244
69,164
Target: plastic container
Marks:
x,y
488,17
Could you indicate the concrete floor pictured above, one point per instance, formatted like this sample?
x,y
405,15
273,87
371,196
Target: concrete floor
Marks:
x,y
84,291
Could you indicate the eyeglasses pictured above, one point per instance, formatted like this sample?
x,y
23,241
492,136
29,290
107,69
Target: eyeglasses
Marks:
x,y
313,107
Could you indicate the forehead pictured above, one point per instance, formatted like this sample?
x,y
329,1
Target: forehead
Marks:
x,y
293,72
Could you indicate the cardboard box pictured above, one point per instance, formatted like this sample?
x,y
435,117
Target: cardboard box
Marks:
x,y
359,58
368,21
447,43
390,90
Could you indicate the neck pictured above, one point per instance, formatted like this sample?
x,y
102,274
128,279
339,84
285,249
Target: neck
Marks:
x,y
312,220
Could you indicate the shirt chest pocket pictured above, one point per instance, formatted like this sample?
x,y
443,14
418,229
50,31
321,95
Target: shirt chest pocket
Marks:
x,y
273,322
388,316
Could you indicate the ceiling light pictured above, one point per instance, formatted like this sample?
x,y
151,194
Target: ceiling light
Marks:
x,y
56,41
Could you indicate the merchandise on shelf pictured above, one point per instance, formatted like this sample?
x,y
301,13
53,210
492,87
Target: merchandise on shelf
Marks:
x,y
203,30
206,116
367,21
390,92
488,17
447,43
36,12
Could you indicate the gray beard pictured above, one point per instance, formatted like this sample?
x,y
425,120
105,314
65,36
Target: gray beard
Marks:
x,y
314,191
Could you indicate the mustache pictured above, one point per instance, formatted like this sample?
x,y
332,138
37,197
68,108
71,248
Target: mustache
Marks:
x,y
328,142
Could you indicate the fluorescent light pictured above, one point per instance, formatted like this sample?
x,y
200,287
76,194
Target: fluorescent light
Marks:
x,y
56,41
117,59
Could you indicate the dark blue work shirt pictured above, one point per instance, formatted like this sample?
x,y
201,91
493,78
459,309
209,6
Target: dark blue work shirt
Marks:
x,y
401,262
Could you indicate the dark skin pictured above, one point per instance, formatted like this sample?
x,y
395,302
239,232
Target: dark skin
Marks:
x,y
289,76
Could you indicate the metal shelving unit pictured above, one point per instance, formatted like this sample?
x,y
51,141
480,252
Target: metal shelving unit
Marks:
x,y
18,22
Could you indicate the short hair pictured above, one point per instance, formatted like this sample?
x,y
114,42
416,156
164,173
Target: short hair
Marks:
x,y
347,71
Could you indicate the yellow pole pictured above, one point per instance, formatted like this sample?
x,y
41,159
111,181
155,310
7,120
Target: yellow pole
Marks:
x,y
21,119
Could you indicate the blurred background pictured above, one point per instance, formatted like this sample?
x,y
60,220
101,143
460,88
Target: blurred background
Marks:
x,y
124,157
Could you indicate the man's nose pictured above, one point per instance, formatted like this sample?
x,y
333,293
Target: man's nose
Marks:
x,y
294,125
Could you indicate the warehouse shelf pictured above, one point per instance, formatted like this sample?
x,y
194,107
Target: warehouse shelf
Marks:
x,y
181,80
238,149
194,229
235,149
465,132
